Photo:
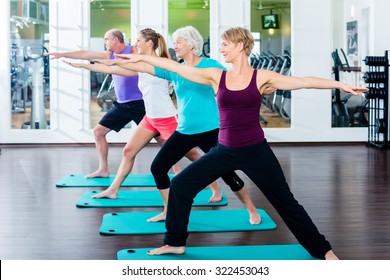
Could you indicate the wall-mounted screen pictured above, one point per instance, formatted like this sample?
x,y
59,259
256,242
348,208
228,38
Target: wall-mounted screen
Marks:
x,y
270,21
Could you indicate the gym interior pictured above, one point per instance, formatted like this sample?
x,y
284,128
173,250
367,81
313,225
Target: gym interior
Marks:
x,y
333,147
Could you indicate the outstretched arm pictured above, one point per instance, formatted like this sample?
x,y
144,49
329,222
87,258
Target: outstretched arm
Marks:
x,y
103,68
206,76
275,80
125,64
82,54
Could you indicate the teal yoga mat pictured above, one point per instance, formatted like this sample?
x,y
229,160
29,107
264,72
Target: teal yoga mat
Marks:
x,y
132,180
247,252
136,198
127,223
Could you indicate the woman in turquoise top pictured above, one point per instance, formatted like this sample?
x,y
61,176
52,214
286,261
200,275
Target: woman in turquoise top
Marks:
x,y
193,98
198,119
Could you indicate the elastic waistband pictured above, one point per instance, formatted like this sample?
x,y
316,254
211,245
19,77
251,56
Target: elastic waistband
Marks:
x,y
261,143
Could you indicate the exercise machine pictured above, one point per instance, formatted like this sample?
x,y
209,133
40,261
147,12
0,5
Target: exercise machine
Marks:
x,y
106,95
279,101
347,110
35,63
377,79
340,116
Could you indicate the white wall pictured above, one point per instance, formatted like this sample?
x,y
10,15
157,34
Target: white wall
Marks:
x,y
223,15
143,16
5,104
311,45
338,24
380,26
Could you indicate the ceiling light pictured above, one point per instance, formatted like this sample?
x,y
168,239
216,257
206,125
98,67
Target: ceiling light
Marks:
x,y
260,6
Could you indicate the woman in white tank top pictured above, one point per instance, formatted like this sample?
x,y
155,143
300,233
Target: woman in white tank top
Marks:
x,y
160,120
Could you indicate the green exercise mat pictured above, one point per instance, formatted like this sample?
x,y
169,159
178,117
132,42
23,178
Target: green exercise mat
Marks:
x,y
246,252
121,223
136,198
132,180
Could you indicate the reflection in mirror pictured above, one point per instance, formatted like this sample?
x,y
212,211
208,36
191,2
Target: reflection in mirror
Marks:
x,y
271,28
29,68
116,14
348,110
190,12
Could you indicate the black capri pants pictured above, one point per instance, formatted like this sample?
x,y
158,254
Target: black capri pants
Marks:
x,y
176,147
123,113
263,168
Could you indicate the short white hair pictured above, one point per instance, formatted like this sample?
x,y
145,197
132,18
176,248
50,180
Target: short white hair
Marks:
x,y
192,37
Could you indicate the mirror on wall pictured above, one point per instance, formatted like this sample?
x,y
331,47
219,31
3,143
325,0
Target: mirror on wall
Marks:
x,y
29,68
350,46
271,28
190,12
116,14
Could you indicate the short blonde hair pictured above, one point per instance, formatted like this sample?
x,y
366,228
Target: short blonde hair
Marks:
x,y
192,37
240,35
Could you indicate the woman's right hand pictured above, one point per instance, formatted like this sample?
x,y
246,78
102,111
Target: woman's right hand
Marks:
x,y
76,65
122,55
54,55
130,57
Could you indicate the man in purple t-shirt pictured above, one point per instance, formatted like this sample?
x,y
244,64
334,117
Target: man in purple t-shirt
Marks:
x,y
129,105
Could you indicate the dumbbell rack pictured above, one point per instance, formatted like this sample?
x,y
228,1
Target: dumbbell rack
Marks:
x,y
377,78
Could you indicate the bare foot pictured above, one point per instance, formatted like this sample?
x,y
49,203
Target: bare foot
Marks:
x,y
166,249
254,218
98,174
106,194
330,255
158,218
216,197
176,169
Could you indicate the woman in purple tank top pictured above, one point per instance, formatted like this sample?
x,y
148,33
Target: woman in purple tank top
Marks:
x,y
242,145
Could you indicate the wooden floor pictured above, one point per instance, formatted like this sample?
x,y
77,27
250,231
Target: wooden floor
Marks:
x,y
345,189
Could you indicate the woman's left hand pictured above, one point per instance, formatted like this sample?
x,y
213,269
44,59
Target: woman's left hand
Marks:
x,y
352,89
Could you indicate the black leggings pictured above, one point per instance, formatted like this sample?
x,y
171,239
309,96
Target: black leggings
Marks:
x,y
262,167
176,147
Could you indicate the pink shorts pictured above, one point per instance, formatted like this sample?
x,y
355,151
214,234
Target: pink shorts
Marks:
x,y
165,126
